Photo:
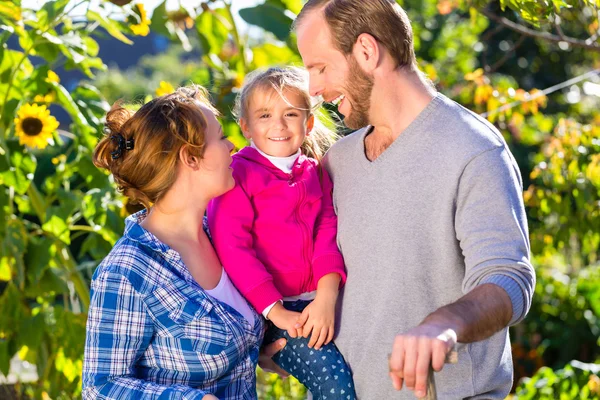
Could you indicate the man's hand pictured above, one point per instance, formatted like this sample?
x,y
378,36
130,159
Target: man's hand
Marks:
x,y
414,351
265,360
318,317
210,397
285,319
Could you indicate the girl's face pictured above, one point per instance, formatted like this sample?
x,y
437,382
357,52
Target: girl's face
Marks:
x,y
216,161
277,125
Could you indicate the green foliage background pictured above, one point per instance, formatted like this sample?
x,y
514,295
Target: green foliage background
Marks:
x,y
59,215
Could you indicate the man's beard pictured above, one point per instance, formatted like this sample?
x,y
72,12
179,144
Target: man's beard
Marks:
x,y
358,88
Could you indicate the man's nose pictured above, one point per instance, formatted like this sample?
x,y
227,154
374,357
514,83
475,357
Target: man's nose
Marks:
x,y
315,86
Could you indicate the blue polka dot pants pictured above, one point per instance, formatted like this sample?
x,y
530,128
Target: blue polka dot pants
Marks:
x,y
324,372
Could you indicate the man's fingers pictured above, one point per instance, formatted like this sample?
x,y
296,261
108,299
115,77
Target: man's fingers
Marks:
x,y
422,366
396,359
410,361
396,381
271,349
438,355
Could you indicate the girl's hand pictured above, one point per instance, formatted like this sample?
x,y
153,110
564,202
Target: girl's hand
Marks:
x,y
285,319
210,397
317,321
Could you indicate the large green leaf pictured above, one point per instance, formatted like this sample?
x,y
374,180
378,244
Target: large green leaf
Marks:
x,y
213,29
48,284
39,253
49,12
112,27
10,10
23,167
272,54
64,99
270,18
91,103
31,331
292,5
160,22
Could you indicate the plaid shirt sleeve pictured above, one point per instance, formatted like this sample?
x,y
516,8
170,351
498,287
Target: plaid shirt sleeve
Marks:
x,y
119,329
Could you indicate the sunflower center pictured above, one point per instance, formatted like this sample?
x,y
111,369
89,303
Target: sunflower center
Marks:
x,y
32,126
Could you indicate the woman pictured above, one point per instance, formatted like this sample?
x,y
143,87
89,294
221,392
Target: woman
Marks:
x,y
164,319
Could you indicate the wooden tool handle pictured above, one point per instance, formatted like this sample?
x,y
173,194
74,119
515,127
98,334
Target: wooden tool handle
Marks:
x,y
451,358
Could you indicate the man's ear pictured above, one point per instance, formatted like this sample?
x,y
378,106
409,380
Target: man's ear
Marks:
x,y
188,159
310,123
244,126
366,52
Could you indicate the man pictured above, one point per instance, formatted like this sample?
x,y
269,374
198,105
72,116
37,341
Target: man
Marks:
x,y
431,220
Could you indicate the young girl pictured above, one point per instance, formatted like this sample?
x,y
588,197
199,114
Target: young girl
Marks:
x,y
275,232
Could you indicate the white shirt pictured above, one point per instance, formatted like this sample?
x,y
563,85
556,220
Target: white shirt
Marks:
x,y
227,293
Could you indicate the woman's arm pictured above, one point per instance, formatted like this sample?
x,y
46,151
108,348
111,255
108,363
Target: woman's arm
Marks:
x,y
119,330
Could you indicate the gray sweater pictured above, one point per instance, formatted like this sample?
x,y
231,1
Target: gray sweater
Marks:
x,y
439,212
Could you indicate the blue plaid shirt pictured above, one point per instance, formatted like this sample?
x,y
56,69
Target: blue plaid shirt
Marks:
x,y
153,332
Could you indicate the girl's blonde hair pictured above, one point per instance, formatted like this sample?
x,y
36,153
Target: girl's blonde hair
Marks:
x,y
147,169
280,79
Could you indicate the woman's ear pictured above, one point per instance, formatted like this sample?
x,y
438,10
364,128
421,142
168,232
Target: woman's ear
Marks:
x,y
188,159
244,126
310,123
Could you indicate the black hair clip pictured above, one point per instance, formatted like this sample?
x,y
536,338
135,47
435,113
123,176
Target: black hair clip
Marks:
x,y
122,144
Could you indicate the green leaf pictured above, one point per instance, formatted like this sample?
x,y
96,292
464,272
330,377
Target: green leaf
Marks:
x,y
23,168
38,256
10,10
37,201
271,54
160,22
58,227
49,283
31,331
111,27
95,245
213,30
64,99
5,357
49,12
270,18
5,270
292,5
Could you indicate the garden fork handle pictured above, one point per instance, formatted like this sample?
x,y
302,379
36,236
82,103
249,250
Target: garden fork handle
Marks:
x,y
451,358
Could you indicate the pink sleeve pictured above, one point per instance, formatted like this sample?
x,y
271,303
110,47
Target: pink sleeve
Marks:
x,y
327,257
230,220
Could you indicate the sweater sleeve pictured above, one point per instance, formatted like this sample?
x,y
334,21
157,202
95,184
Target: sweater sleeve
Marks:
x,y
491,226
230,220
327,257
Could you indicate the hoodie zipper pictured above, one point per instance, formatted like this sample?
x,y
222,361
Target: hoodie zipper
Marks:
x,y
306,242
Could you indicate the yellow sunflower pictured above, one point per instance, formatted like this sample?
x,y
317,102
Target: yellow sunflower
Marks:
x,y
164,88
143,28
34,125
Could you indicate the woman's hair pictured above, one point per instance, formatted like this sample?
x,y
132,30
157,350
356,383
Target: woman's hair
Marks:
x,y
141,148
279,79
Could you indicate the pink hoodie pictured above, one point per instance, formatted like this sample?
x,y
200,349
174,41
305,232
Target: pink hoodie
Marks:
x,y
275,233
